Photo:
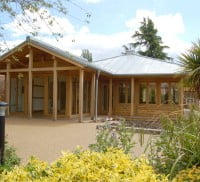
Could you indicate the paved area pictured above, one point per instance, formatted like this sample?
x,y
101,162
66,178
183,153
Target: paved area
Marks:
x,y
46,139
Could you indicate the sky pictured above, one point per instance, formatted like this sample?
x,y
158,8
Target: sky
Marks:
x,y
112,24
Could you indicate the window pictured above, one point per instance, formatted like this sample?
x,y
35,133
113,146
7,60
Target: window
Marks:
x,y
125,92
105,98
122,93
152,93
189,98
164,93
75,95
129,92
143,93
86,96
174,93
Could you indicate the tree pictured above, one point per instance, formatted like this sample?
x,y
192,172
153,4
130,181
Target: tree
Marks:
x,y
87,55
190,62
148,43
27,14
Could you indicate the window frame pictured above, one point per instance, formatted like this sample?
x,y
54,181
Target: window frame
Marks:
x,y
155,92
126,86
172,95
167,99
145,94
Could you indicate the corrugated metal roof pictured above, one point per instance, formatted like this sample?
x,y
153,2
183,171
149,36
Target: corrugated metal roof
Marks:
x,y
132,64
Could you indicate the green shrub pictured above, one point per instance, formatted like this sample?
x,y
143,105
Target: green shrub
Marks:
x,y
178,146
86,166
10,158
116,137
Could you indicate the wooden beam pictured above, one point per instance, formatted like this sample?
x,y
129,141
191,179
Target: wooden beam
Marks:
x,y
81,79
40,69
92,99
57,68
68,111
25,94
30,83
46,95
12,51
132,96
14,70
67,68
110,97
8,88
55,91
58,56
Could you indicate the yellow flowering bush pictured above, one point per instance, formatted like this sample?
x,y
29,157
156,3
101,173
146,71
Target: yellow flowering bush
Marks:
x,y
111,166
188,175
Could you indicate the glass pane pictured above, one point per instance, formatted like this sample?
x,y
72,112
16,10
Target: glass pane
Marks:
x,y
105,98
143,93
129,92
61,94
164,93
152,93
50,95
174,93
122,93
75,95
86,96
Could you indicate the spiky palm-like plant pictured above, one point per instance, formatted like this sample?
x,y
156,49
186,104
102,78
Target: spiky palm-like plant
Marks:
x,y
190,62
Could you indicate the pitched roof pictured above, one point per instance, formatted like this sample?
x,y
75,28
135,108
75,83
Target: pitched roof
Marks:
x,y
124,65
53,49
133,64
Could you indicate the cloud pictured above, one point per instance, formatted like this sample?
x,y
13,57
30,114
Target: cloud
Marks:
x,y
59,25
170,23
170,27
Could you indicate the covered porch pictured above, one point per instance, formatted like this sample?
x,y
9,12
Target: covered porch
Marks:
x,y
39,82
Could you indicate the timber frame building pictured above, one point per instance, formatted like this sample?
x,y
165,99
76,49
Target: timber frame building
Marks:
x,y
43,80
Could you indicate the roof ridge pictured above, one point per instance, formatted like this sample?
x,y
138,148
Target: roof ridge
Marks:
x,y
108,58
135,54
157,59
29,39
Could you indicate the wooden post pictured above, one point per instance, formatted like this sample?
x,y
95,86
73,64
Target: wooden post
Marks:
x,y
132,96
46,95
81,75
68,111
55,90
92,99
30,83
25,94
181,99
110,97
8,88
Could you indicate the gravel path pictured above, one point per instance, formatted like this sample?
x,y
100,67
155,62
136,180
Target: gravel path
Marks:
x,y
46,139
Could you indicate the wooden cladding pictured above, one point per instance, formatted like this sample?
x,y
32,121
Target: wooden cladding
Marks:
x,y
140,97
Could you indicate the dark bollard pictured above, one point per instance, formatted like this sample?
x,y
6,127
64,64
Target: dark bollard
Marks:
x,y
3,106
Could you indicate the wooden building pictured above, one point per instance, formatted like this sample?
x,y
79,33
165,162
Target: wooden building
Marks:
x,y
43,80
